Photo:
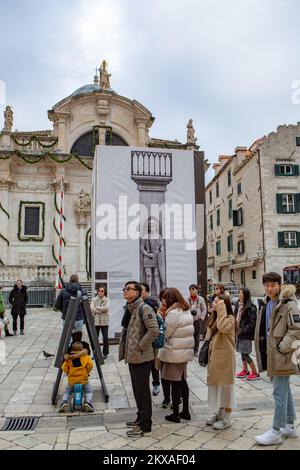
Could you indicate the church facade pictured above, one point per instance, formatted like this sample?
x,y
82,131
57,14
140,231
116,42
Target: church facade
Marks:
x,y
35,167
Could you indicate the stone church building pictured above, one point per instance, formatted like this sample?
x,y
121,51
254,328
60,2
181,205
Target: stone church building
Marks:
x,y
32,165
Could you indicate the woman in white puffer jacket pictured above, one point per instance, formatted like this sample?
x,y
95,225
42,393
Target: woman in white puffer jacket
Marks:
x,y
177,351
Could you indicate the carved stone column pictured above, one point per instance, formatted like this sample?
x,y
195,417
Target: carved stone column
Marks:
x,y
6,185
83,220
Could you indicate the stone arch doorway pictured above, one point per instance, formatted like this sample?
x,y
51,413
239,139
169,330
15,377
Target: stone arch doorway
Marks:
x,y
85,144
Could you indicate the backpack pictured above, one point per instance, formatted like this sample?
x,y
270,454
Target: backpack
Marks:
x,y
159,341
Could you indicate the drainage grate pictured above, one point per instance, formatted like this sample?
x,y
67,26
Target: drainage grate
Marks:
x,y
27,423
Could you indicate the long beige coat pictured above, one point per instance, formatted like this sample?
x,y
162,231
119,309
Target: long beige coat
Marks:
x,y
221,355
100,310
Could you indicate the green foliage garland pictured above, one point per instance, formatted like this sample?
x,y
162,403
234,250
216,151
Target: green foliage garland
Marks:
x,y
87,237
5,212
3,238
33,159
36,139
56,230
56,206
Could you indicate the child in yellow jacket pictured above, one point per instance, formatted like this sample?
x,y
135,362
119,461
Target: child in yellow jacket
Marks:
x,y
78,371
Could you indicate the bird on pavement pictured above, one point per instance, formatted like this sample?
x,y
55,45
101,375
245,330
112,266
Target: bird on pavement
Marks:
x,y
47,355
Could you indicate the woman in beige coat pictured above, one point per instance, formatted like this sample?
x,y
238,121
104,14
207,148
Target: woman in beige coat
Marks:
x,y
100,311
221,362
177,351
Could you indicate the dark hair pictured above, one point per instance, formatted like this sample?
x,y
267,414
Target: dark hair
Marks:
x,y
172,296
137,286
246,293
193,286
161,294
74,278
221,287
104,288
76,336
147,288
271,277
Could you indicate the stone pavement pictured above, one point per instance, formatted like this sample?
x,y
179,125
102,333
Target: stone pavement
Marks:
x,y
26,382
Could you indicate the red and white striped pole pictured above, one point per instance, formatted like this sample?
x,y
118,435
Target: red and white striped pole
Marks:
x,y
61,213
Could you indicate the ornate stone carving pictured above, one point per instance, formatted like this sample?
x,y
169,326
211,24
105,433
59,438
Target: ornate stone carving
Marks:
x,y
6,183
83,208
102,109
190,134
8,119
32,186
84,200
31,259
104,76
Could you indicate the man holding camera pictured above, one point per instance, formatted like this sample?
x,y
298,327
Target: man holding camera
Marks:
x,y
199,311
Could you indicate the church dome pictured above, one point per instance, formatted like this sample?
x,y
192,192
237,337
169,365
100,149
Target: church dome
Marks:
x,y
91,88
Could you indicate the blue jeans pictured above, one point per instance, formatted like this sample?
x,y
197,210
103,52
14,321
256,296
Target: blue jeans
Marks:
x,y
78,325
86,388
284,403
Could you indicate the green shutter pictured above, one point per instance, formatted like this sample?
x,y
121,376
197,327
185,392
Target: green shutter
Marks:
x,y
279,203
277,170
296,170
281,243
297,205
298,239
235,218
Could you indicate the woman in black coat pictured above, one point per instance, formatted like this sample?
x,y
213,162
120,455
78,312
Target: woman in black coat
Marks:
x,y
18,298
245,313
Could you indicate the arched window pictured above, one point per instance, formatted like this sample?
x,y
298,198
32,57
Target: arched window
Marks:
x,y
85,144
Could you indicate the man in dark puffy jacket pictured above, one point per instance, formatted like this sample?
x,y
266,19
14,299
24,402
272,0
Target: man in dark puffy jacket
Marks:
x,y
18,299
63,299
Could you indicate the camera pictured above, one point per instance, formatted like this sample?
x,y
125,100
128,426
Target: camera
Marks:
x,y
194,312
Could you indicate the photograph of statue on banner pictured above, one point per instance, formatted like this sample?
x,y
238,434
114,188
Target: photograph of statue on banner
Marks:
x,y
153,260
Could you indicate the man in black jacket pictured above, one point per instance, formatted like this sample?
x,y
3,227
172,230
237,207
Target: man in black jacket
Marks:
x,y
63,299
18,298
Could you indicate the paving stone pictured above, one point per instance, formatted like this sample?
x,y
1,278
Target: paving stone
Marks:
x,y
190,444
242,443
5,444
202,436
60,446
115,444
79,437
215,444
188,431
27,442
170,442
42,447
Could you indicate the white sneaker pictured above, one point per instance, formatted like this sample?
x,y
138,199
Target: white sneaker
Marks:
x,y
289,431
222,424
269,438
210,421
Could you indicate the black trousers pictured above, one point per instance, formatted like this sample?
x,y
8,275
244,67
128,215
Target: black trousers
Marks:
x,y
155,375
166,385
180,389
140,375
197,328
104,331
15,322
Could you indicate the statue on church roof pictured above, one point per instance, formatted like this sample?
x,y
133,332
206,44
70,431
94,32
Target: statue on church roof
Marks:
x,y
104,76
190,134
8,119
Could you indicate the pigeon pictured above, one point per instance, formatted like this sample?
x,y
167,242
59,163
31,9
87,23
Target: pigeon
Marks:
x,y
47,354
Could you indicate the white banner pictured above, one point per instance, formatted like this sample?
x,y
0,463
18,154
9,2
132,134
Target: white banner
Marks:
x,y
143,221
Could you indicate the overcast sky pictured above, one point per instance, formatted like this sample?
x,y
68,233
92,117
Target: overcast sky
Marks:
x,y
228,65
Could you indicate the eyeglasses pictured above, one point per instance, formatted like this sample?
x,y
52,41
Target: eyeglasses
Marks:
x,y
100,290
127,289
